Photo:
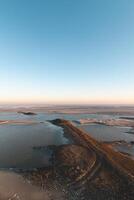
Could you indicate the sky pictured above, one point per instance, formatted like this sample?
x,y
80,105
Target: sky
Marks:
x,y
67,51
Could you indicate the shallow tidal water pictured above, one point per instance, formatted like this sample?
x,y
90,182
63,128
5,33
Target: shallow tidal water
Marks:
x,y
108,133
18,142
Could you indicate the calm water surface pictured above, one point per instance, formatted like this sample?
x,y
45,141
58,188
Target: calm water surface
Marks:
x,y
108,133
17,144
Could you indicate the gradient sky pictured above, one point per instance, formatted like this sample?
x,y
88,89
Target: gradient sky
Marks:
x,y
67,51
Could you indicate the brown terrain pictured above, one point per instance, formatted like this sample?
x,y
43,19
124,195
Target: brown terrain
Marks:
x,y
85,170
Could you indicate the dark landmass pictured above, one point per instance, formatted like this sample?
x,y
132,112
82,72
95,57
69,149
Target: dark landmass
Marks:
x,y
125,153
98,147
115,142
129,118
86,170
131,131
27,113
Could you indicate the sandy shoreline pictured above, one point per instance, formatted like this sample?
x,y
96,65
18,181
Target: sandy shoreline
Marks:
x,y
26,122
108,122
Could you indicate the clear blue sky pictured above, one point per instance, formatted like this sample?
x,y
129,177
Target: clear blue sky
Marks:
x,y
67,51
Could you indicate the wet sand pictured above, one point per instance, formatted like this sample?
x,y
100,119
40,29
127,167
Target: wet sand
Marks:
x,y
109,122
25,122
15,187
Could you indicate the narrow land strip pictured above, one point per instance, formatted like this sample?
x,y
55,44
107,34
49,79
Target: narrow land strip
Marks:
x,y
119,162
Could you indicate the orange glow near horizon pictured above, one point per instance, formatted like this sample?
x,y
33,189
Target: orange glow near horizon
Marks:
x,y
66,100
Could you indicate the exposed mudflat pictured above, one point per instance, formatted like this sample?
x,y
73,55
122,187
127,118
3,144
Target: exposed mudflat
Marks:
x,y
76,174
109,122
14,187
74,162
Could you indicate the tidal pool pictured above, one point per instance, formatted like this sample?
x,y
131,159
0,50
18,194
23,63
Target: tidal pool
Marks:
x,y
17,144
108,133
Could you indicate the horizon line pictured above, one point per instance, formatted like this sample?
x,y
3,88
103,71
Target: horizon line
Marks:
x,y
65,104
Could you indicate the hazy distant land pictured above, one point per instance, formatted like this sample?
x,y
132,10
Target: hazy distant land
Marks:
x,y
71,109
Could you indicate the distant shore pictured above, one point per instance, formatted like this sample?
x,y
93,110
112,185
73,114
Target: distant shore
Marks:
x,y
81,109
